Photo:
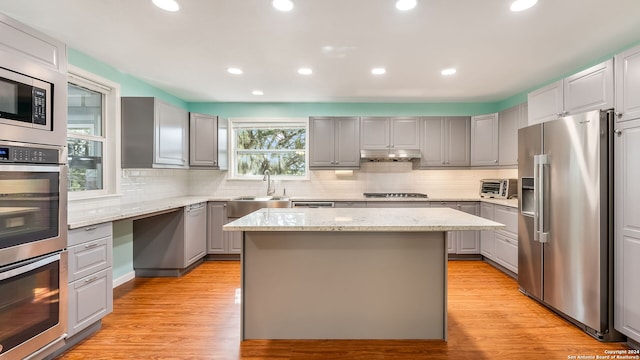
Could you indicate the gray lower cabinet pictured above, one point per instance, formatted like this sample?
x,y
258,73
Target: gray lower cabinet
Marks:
x,y
627,229
462,242
445,142
487,237
168,244
155,134
501,246
218,241
90,295
334,142
484,140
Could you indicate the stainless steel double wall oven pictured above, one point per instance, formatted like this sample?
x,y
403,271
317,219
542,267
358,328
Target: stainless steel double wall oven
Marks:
x,y
33,192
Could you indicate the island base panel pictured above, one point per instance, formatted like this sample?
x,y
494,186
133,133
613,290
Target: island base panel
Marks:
x,y
344,285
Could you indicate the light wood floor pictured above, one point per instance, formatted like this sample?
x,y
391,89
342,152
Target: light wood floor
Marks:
x,y
196,317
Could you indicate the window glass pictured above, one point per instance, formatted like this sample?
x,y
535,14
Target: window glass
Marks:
x,y
85,165
85,138
84,111
280,147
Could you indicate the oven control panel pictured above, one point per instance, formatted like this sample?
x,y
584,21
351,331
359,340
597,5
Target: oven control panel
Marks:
x,y
28,155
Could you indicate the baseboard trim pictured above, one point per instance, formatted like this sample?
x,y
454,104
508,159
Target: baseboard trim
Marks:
x,y
124,278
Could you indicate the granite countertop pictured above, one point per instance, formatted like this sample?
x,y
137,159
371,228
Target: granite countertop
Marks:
x,y
360,198
80,217
96,215
340,219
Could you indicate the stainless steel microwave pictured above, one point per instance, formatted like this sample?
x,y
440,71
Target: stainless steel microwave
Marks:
x,y
24,101
499,188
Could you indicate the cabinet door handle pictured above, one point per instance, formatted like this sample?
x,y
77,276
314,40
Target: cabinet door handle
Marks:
x,y
617,132
89,246
91,279
91,228
495,161
618,114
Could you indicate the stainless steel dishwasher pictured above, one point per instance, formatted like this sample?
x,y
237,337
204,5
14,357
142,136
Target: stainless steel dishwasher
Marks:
x,y
313,204
195,232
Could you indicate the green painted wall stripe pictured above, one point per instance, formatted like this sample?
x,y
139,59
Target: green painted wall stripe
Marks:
x,y
241,109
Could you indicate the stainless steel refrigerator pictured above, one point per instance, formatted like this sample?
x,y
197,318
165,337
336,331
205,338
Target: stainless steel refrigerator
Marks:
x,y
565,223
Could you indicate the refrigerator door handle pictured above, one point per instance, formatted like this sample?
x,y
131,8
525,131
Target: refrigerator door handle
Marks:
x,y
543,161
536,197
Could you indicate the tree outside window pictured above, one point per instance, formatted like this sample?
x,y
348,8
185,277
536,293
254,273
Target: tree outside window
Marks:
x,y
280,147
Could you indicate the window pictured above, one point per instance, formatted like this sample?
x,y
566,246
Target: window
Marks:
x,y
92,117
279,145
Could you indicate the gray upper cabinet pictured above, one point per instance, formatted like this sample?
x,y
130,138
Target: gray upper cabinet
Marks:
x,y
445,141
523,119
509,121
590,89
154,134
627,229
628,84
207,134
484,140
546,103
390,133
334,142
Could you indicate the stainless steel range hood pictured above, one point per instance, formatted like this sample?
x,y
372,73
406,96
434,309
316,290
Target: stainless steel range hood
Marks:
x,y
389,154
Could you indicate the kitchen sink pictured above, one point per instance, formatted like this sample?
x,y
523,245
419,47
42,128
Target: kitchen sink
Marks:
x,y
243,205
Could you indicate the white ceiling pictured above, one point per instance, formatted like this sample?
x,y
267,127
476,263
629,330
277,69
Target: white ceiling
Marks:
x,y
497,53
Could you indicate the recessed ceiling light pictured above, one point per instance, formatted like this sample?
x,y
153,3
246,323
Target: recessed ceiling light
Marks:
x,y
378,71
305,71
257,92
404,5
283,5
449,71
520,5
234,71
168,5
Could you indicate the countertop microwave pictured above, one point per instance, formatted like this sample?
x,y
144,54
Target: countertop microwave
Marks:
x,y
499,188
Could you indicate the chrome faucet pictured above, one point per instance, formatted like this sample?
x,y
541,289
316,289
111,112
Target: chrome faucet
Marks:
x,y
271,189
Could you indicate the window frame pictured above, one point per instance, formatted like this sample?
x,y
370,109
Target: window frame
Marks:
x,y
111,171
268,123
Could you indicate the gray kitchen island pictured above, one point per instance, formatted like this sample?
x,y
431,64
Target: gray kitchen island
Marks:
x,y
331,273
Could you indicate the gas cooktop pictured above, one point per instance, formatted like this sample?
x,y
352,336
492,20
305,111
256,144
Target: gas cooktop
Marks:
x,y
395,195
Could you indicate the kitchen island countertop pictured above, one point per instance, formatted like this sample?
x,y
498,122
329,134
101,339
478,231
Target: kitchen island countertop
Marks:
x,y
364,219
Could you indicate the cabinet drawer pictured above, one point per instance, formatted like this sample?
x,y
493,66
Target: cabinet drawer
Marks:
x,y
90,299
88,233
508,216
506,252
89,257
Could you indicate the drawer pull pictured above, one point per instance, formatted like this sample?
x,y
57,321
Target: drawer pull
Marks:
x,y
91,279
91,228
89,246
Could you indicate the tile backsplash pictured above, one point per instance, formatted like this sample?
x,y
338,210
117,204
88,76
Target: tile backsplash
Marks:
x,y
139,185
372,177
